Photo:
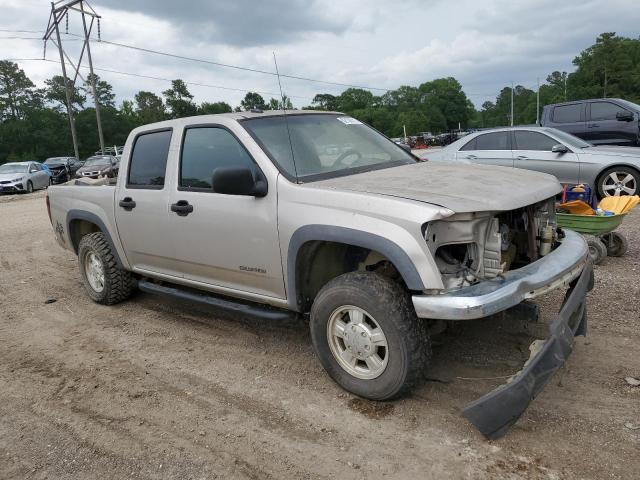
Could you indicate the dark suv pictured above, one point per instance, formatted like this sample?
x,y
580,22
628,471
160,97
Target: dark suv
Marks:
x,y
603,121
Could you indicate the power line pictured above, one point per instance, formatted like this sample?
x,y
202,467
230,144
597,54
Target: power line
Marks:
x,y
235,67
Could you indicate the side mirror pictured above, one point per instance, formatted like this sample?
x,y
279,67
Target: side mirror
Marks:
x,y
238,181
559,148
624,116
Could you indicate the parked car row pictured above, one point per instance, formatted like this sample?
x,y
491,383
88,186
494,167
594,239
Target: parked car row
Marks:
x,y
27,176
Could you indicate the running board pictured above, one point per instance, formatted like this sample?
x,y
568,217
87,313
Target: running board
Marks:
x,y
254,310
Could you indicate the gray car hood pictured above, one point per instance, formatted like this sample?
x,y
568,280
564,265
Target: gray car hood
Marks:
x,y
11,176
461,188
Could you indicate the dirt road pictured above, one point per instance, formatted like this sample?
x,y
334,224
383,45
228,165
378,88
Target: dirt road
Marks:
x,y
155,388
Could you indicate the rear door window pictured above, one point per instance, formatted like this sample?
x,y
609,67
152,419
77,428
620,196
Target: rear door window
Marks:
x,y
526,140
568,113
148,165
493,141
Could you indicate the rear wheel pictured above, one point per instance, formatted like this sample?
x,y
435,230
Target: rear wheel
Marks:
x,y
617,181
597,250
367,336
103,279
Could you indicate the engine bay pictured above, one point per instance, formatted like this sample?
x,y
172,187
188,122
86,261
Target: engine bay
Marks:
x,y
469,248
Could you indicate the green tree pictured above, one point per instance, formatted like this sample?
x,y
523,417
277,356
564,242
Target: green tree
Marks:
x,y
207,108
17,93
325,101
354,99
179,100
446,95
55,93
104,90
149,107
253,100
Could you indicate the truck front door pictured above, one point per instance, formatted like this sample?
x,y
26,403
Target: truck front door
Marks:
x,y
227,241
142,214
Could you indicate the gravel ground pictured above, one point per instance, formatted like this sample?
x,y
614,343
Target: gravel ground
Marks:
x,y
156,388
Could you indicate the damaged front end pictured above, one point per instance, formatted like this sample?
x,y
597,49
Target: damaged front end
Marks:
x,y
492,261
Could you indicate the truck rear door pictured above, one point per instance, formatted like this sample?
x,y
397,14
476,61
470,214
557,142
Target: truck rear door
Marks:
x,y
569,118
141,205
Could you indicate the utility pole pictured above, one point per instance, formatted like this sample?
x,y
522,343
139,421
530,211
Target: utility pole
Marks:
x,y
538,104
565,86
59,12
512,104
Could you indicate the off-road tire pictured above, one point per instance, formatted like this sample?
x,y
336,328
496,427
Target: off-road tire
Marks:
x,y
119,284
409,347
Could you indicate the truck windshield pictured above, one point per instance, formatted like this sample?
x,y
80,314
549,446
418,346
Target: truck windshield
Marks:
x,y
324,145
13,168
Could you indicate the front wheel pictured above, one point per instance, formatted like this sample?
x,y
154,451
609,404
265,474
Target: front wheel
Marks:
x,y
597,250
103,279
29,187
367,336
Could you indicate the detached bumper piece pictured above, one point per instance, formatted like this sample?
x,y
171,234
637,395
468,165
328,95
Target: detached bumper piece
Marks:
x,y
494,413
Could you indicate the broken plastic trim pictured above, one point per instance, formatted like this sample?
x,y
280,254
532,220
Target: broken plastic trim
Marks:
x,y
494,413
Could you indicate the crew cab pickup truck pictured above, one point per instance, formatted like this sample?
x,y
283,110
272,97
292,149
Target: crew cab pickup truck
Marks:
x,y
317,214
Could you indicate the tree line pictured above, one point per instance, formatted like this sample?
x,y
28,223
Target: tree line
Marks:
x,y
34,122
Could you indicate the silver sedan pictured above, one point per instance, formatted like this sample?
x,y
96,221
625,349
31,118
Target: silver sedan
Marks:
x,y
20,177
610,171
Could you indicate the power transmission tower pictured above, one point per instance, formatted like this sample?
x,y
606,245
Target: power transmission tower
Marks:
x,y
59,12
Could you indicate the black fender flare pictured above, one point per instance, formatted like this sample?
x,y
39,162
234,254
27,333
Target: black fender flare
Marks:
x,y
93,218
348,236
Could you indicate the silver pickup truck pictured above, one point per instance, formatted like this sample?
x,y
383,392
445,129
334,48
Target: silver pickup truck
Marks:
x,y
316,214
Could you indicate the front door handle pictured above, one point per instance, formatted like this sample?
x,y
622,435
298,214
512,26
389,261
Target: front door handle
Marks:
x,y
471,157
594,125
127,203
182,208
522,157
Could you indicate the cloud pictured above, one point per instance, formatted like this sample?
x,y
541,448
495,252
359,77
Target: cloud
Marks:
x,y
245,22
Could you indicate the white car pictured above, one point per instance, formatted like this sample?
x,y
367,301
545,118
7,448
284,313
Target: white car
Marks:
x,y
21,177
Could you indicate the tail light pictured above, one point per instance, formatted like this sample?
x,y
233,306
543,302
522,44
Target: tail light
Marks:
x,y
48,207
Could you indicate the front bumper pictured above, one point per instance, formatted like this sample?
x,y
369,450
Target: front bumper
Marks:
x,y
555,270
11,187
495,412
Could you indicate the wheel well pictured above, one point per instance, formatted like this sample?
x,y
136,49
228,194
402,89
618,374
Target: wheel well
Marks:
x,y
318,262
79,228
604,170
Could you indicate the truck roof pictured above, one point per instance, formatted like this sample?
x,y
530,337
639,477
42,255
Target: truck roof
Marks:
x,y
583,100
234,116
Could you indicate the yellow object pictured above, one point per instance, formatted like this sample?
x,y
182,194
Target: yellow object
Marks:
x,y
619,205
577,207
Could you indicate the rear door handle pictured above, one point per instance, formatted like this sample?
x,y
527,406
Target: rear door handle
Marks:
x,y
471,157
594,125
522,157
182,208
127,203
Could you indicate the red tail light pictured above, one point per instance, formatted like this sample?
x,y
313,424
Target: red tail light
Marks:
x,y
48,207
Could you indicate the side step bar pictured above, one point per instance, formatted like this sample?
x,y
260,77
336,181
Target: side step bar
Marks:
x,y
253,310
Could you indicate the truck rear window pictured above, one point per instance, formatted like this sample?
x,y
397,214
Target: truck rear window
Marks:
x,y
148,164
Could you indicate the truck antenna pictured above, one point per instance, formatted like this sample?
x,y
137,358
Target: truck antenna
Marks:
x,y
286,120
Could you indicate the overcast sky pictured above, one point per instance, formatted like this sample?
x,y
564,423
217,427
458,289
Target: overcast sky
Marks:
x,y
375,43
